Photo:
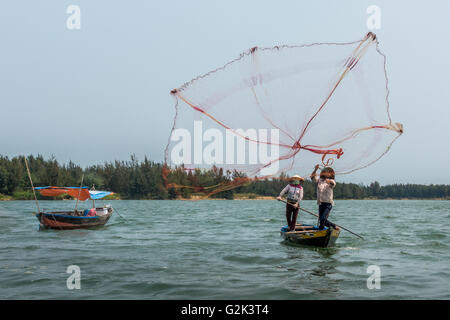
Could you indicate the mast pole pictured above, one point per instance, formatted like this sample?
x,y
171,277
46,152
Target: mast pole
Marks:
x,y
79,192
93,201
32,187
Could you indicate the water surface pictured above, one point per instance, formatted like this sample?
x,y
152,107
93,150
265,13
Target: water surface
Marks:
x,y
218,249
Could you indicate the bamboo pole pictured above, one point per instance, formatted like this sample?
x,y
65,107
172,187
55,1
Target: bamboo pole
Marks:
x,y
79,192
32,187
93,201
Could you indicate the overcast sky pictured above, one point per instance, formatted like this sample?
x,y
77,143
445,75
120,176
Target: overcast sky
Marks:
x,y
101,93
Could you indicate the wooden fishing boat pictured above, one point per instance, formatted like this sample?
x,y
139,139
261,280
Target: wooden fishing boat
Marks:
x,y
74,219
310,235
63,220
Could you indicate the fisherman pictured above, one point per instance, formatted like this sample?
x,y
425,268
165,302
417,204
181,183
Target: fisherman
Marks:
x,y
90,212
325,185
294,192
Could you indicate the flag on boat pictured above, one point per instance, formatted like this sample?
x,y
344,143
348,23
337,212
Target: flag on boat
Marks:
x,y
99,194
76,192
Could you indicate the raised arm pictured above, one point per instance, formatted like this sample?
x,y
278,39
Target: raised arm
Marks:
x,y
313,175
331,183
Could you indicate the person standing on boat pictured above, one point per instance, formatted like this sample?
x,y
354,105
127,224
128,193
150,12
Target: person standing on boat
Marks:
x,y
325,185
294,192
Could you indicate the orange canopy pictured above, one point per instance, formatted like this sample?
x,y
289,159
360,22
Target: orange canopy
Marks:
x,y
81,194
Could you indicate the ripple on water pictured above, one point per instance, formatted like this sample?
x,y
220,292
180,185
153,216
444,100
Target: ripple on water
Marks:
x,y
226,250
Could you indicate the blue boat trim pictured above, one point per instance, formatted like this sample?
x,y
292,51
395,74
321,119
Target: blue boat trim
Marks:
x,y
67,216
285,228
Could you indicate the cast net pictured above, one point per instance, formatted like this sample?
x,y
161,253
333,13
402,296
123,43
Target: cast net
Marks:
x,y
280,111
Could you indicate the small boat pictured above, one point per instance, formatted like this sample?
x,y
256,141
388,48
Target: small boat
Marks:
x,y
310,235
74,219
63,220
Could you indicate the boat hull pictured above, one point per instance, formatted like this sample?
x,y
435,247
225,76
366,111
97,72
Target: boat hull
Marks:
x,y
310,236
63,220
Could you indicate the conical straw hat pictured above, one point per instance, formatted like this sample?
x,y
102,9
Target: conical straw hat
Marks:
x,y
297,177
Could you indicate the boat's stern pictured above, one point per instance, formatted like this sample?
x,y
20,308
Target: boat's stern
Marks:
x,y
333,236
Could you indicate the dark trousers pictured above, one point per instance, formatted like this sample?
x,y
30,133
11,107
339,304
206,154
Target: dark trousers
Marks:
x,y
291,216
324,212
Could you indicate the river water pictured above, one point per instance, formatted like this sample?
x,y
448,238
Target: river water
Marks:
x,y
219,249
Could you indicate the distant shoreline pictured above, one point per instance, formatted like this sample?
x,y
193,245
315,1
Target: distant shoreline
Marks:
x,y
148,180
236,197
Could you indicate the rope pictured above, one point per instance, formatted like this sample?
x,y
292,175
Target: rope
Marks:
x,y
121,215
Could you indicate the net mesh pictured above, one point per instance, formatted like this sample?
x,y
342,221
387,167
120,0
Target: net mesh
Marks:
x,y
280,111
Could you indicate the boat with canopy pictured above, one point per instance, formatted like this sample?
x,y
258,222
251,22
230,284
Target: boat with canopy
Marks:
x,y
74,219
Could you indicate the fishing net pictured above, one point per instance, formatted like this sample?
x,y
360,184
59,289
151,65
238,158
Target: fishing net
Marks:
x,y
282,110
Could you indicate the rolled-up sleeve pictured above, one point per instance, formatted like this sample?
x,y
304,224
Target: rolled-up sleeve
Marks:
x,y
301,196
332,183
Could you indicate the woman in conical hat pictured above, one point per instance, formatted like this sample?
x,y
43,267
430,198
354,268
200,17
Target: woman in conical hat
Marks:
x,y
294,192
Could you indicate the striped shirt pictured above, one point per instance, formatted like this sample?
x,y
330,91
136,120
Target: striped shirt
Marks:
x,y
294,193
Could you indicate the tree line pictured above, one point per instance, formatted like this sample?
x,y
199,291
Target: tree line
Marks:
x,y
135,179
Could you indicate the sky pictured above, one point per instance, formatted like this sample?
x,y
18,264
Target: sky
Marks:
x,y
102,92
